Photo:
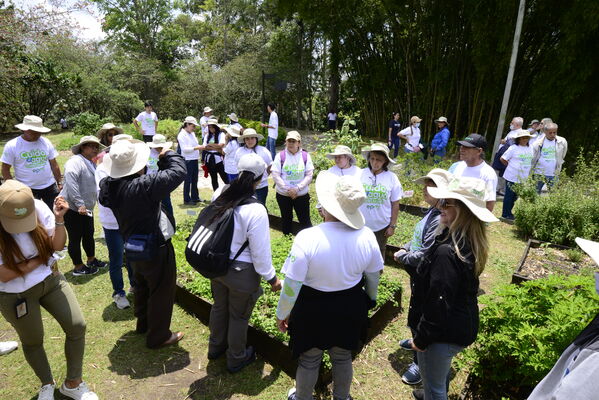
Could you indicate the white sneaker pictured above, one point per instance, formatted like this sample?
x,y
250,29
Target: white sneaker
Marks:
x,y
121,301
81,392
46,392
7,347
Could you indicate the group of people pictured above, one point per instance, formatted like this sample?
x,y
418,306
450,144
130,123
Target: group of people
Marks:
x,y
411,135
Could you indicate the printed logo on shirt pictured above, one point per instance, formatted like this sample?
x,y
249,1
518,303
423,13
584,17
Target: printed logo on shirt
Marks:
x,y
35,160
548,153
525,159
153,163
294,172
291,257
416,243
375,195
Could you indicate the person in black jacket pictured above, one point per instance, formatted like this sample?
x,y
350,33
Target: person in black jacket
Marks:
x,y
443,308
134,198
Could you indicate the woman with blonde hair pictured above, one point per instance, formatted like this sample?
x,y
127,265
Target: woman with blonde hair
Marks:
x,y
443,307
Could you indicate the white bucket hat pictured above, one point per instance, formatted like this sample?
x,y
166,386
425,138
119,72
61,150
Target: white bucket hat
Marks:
x,y
590,247
109,126
377,147
233,117
342,150
126,157
122,136
441,119
440,176
470,191
159,140
249,133
32,123
233,131
207,110
84,140
522,133
341,196
191,120
252,163
212,121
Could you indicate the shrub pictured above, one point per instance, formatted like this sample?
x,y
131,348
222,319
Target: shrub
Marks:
x,y
247,123
524,329
167,127
570,210
87,123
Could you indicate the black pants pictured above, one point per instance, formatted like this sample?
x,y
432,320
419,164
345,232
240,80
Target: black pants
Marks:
x,y
215,169
301,204
80,229
47,195
155,295
148,138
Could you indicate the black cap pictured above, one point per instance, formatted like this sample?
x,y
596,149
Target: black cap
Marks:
x,y
474,140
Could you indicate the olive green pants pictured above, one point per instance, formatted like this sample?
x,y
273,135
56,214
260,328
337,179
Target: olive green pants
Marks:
x,y
57,297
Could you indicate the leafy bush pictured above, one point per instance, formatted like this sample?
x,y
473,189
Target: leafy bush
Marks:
x,y
411,166
87,123
570,210
247,123
524,329
167,127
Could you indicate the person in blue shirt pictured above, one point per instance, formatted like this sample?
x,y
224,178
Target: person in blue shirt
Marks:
x,y
440,140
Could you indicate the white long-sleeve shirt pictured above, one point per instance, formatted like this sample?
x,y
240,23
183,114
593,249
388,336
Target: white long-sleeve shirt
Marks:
x,y
187,142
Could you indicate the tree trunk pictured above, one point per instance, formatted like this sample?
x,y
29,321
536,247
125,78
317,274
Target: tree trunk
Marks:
x,y
334,77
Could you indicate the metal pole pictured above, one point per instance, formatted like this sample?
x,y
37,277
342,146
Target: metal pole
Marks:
x,y
510,78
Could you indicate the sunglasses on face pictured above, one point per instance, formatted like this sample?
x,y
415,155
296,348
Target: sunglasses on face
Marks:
x,y
444,203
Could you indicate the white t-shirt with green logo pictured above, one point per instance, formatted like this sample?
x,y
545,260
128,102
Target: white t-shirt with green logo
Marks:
x,y
148,122
153,162
547,159
30,161
293,171
381,191
520,162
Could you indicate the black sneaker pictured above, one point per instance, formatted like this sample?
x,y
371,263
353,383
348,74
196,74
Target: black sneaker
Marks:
x,y
97,264
418,394
250,358
85,270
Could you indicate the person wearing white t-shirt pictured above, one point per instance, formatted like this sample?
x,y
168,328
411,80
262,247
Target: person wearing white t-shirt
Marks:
x,y
331,280
292,171
549,152
273,129
383,192
29,280
248,142
214,143
472,164
230,149
332,120
33,159
345,162
207,114
190,150
146,122
411,135
518,162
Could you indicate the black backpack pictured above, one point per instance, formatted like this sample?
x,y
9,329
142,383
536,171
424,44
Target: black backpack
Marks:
x,y
209,244
497,164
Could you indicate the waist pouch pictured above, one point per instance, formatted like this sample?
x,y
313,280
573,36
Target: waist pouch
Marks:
x,y
141,247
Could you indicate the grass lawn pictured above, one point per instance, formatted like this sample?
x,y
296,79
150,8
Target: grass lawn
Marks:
x,y
117,364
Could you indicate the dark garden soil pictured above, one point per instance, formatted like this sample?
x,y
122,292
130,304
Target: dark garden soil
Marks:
x,y
545,261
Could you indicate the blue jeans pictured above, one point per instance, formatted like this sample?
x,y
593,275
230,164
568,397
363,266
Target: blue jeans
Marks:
x,y
395,143
271,146
232,177
261,194
434,364
541,180
509,200
190,186
115,245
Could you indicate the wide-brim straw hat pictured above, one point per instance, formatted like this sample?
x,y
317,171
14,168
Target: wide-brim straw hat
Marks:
x,y
207,110
522,133
341,196
32,123
191,120
249,133
84,140
470,191
233,131
17,207
212,121
442,119
126,157
377,147
233,117
341,150
159,141
590,247
440,176
107,127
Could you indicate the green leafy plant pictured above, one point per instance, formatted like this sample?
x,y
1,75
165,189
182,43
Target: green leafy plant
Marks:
x,y
574,255
87,123
524,329
247,123
168,127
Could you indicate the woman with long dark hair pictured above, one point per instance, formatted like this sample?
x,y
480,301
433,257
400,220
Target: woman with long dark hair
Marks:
x,y
29,234
214,142
236,293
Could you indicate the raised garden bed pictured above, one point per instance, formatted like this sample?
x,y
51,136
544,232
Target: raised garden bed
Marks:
x,y
541,259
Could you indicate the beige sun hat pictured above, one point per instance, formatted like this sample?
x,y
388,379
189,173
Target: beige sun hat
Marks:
x,y
341,150
84,140
126,157
32,123
233,131
470,191
17,207
207,110
191,120
233,117
295,135
252,163
341,196
590,247
249,133
159,140
522,133
440,176
441,119
415,119
212,121
108,126
377,147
